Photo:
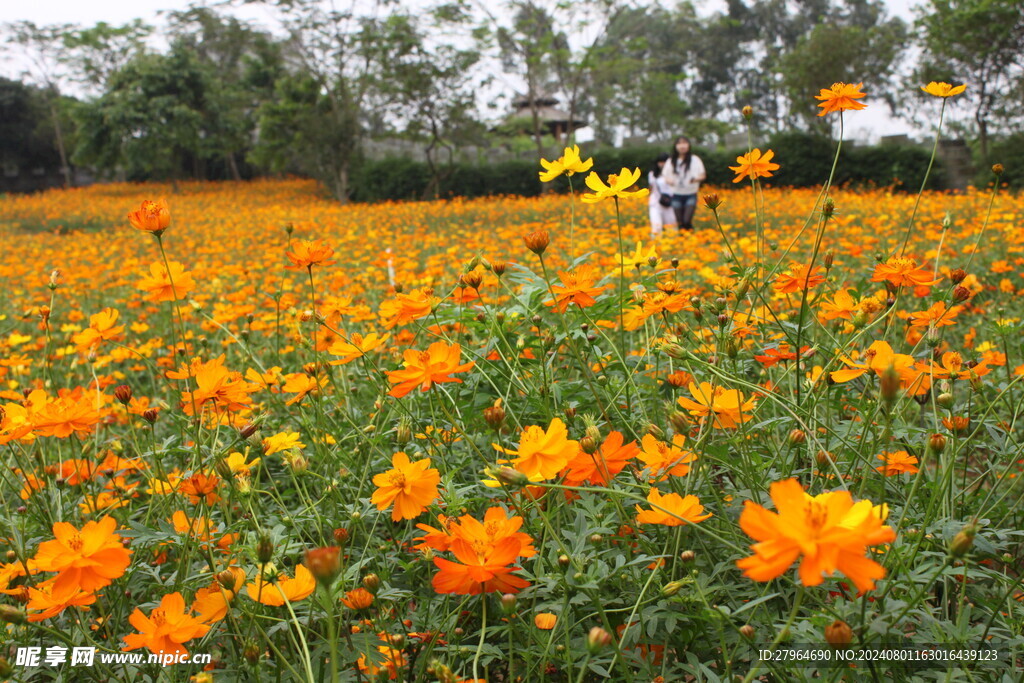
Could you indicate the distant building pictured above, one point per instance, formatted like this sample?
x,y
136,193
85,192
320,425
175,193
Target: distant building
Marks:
x,y
553,121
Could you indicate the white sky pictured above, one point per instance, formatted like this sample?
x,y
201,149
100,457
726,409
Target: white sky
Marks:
x,y
868,126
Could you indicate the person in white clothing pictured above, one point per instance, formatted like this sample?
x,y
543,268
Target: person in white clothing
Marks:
x,y
659,202
684,172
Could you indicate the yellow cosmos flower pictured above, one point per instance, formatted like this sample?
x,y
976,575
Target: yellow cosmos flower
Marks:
x,y
943,89
618,186
570,163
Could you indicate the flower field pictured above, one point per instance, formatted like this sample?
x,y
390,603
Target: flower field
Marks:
x,y
511,439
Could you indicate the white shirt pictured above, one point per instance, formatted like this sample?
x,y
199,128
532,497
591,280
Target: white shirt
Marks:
x,y
658,187
685,180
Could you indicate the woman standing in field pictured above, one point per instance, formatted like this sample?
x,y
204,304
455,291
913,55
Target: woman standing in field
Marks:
x,y
684,173
659,202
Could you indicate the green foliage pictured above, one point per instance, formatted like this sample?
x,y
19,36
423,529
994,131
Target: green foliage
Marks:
x,y
24,142
805,160
1009,152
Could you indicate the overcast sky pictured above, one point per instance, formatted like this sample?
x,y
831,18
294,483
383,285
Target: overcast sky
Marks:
x,y
869,125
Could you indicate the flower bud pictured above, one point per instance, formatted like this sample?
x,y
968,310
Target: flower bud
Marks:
x,y
11,614
563,561
508,603
371,582
671,588
251,652
498,268
936,443
537,241
687,556
598,639
944,400
226,579
839,634
123,394
823,457
150,415
889,384
712,201
748,112
957,276
961,543
747,631
589,445
495,415
997,169
510,477
403,432
961,294
829,259
797,437
679,420
473,279
248,429
324,563
264,548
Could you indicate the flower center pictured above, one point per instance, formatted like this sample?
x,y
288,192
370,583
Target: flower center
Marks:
x,y
75,542
397,479
158,617
815,515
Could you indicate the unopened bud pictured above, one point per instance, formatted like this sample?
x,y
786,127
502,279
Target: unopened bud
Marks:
x,y
563,561
712,201
324,563
839,634
226,580
264,548
248,429
957,276
797,437
508,603
11,614
251,652
748,112
687,556
937,443
671,588
537,241
944,400
371,582
997,169
498,268
747,631
962,542
123,394
589,445
598,639
960,294
889,384
150,415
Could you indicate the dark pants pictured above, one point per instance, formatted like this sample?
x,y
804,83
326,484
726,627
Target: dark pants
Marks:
x,y
684,205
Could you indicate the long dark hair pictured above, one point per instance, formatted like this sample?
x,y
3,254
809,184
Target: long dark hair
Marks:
x,y
655,168
686,158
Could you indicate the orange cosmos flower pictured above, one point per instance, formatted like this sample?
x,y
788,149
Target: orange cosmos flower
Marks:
x,y
88,559
952,367
48,599
878,358
215,384
903,272
937,315
425,368
542,454
355,347
309,253
301,384
671,510
211,603
664,459
200,487
405,308
576,288
943,89
481,571
842,306
102,327
797,279
274,593
600,467
358,599
830,532
158,285
388,659
152,217
166,629
840,97
66,415
409,486
728,407
753,165
496,527
899,462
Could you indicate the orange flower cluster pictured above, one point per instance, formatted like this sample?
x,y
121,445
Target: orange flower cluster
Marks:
x,y
484,550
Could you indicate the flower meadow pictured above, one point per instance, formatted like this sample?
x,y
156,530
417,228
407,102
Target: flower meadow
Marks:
x,y
511,439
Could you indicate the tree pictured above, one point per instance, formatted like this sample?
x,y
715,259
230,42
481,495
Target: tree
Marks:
x,y
151,120
95,54
980,43
855,43
42,48
23,142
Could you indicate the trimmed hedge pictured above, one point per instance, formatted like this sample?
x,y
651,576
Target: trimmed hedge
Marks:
x,y
805,159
